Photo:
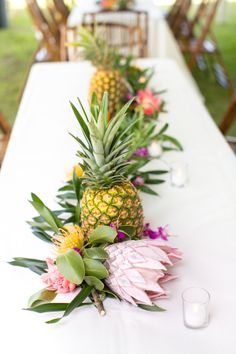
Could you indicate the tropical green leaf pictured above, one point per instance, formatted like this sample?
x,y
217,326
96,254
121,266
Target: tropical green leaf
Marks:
x,y
152,307
71,266
102,234
46,213
35,265
173,141
53,307
128,230
146,189
77,182
95,268
96,253
41,297
76,302
110,293
154,181
155,172
95,282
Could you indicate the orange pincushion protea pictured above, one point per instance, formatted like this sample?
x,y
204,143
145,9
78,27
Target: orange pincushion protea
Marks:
x,y
70,238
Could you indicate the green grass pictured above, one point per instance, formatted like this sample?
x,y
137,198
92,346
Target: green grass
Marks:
x,y
216,98
17,44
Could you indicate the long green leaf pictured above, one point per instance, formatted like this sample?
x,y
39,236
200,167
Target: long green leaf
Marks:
x,y
153,308
46,213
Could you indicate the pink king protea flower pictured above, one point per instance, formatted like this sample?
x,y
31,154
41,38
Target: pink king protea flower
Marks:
x,y
55,280
137,270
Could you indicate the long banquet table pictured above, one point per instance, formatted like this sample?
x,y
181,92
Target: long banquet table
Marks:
x,y
161,41
201,216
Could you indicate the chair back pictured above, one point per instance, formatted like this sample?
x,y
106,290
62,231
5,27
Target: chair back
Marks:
x,y
203,20
126,39
47,31
128,22
59,12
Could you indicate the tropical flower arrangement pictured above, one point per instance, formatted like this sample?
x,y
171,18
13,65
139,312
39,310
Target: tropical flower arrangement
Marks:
x,y
115,4
100,243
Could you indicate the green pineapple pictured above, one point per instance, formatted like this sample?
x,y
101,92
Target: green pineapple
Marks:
x,y
106,78
109,197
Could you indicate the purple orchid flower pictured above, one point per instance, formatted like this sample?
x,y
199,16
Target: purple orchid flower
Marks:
x,y
161,232
120,234
78,250
141,152
138,181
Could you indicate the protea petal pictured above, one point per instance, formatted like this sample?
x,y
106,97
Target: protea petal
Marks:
x,y
137,269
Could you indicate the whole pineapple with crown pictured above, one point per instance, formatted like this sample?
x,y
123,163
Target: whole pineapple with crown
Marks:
x,y
106,78
109,197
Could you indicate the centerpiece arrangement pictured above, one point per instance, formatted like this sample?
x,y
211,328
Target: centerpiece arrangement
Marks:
x,y
115,4
100,243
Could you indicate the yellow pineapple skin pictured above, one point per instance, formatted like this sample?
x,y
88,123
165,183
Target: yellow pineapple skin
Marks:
x,y
119,203
112,82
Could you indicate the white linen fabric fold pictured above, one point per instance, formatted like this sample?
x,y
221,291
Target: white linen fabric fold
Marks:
x,y
201,215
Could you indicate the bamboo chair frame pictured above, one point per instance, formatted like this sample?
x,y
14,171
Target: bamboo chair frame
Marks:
x,y
229,116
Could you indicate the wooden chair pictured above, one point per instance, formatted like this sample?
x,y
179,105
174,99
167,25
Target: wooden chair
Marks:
x,y
127,39
4,138
59,12
229,116
130,21
178,15
199,43
47,33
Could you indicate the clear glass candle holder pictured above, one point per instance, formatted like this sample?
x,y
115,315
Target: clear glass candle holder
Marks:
x,y
196,303
179,174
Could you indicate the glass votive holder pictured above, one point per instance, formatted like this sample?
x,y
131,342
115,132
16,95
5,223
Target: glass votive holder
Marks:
x,y
179,174
196,307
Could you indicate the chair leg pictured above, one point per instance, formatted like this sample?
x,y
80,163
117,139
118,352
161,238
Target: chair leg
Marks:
x,y
229,117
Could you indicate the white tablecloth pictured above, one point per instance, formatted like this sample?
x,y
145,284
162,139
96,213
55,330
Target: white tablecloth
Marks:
x,y
161,42
202,215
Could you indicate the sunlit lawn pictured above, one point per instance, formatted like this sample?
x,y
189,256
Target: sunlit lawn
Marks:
x,y
17,44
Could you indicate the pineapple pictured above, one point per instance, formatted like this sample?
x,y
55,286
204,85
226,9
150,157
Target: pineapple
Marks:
x,y
109,197
106,78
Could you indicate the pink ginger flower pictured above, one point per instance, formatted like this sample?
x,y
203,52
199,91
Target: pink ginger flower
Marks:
x,y
55,280
138,269
148,101
138,181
